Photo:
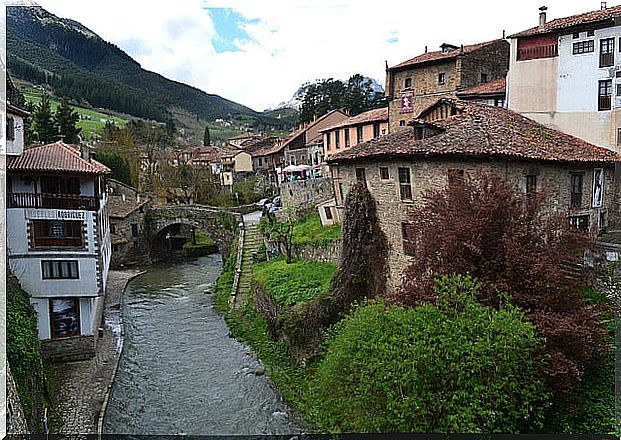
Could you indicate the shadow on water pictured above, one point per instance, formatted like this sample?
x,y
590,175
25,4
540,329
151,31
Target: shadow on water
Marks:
x,y
179,372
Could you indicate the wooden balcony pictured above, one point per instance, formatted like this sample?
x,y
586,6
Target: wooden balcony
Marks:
x,y
536,52
53,201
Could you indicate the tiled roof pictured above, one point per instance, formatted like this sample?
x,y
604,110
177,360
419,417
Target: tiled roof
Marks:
x,y
480,130
56,157
439,55
265,147
375,115
119,208
494,87
574,20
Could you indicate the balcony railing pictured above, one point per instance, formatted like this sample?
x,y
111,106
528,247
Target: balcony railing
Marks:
x,y
536,52
53,201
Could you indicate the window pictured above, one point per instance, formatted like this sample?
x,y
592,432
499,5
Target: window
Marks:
x,y
603,95
328,140
499,102
57,185
361,175
57,233
590,33
10,129
384,175
291,160
484,78
583,47
260,162
328,212
347,138
576,35
408,83
57,270
112,228
576,190
618,136
405,186
531,184
336,139
401,123
376,130
134,229
441,78
408,239
341,192
580,222
359,134
455,176
618,89
606,52
64,317
602,220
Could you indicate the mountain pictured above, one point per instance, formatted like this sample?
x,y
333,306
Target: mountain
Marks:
x,y
45,49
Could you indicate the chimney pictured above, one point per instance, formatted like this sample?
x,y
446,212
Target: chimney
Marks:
x,y
503,34
85,152
542,16
603,6
425,49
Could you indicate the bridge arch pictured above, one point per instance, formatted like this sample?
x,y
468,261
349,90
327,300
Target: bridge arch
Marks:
x,y
220,225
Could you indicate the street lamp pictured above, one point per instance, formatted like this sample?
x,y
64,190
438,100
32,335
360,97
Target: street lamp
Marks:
x,y
237,198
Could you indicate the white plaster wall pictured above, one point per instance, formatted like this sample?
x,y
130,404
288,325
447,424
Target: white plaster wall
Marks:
x,y
29,273
87,315
19,185
41,306
16,146
531,84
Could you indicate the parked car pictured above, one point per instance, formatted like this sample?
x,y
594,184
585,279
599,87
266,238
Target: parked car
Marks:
x,y
276,201
261,203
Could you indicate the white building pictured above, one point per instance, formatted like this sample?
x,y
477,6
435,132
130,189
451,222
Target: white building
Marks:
x,y
58,243
566,74
14,130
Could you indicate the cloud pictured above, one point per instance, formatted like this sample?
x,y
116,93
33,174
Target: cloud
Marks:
x,y
258,53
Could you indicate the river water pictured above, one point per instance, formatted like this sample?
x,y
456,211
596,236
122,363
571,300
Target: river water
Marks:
x,y
180,372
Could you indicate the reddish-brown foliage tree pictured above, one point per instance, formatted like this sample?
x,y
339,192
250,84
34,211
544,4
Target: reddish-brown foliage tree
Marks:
x,y
513,244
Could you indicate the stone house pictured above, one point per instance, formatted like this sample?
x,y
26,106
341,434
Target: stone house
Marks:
x,y
566,74
455,138
127,209
360,128
304,146
415,84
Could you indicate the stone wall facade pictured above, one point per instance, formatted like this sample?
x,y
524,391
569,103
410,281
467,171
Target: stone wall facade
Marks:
x,y
301,196
328,254
460,72
77,348
15,418
432,174
130,243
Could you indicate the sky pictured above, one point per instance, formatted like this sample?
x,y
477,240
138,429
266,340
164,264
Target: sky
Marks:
x,y
258,52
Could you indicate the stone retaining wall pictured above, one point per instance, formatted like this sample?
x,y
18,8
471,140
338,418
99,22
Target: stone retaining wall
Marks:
x,y
328,254
301,196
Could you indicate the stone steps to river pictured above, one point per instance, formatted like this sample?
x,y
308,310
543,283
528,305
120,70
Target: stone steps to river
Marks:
x,y
252,242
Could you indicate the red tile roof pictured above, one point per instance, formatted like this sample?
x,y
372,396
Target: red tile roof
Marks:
x,y
301,130
575,20
441,56
375,115
480,130
56,157
494,87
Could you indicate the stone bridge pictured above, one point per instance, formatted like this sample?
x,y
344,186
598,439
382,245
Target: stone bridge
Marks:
x,y
220,224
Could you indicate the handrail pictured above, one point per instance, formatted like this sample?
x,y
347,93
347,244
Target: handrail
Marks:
x,y
52,201
238,264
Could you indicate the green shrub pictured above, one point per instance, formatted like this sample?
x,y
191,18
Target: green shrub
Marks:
x,y
457,366
23,350
309,231
202,239
224,283
296,282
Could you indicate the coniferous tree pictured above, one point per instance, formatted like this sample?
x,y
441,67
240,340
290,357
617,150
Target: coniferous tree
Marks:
x,y
43,121
66,119
206,137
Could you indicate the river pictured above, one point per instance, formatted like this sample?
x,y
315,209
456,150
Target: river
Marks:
x,y
180,372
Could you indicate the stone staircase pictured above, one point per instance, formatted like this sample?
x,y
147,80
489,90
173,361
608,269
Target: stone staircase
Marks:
x,y
252,241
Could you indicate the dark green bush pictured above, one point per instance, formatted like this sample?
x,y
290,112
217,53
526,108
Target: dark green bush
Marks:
x,y
457,366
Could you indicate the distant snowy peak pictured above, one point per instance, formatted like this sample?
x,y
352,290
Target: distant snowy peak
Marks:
x,y
296,100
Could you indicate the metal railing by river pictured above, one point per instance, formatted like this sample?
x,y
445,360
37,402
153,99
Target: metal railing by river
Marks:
x,y
180,372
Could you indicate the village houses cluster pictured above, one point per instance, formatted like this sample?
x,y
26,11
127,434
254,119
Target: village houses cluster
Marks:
x,y
541,107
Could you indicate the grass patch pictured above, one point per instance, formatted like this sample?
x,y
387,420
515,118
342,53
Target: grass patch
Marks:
x,y
91,121
296,282
310,232
224,283
202,239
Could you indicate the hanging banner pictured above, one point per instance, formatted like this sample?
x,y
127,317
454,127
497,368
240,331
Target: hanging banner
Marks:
x,y
407,101
598,188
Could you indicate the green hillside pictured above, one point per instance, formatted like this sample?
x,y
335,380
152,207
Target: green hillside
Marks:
x,y
75,62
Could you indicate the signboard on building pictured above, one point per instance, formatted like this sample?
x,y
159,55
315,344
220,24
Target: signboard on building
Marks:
x,y
407,101
55,214
598,188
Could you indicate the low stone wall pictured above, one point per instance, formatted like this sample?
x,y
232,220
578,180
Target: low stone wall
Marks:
x,y
328,254
15,419
301,196
76,348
